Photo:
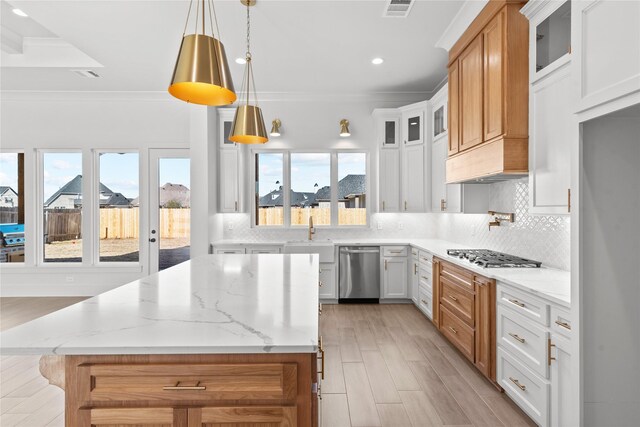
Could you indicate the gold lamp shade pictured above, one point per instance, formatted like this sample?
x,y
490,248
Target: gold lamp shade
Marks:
x,y
248,126
201,75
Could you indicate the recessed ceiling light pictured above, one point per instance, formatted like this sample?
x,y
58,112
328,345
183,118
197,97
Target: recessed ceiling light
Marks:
x,y
19,13
377,61
241,61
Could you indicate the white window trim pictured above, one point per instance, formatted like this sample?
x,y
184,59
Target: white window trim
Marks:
x,y
287,188
27,232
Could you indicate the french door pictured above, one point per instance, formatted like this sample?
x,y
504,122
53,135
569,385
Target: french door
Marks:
x,y
169,208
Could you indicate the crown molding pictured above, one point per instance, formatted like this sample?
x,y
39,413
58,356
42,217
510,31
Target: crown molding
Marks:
x,y
465,16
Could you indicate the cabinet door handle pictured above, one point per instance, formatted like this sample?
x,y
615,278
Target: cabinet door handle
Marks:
x,y
453,330
415,269
563,324
320,284
549,345
236,206
385,264
451,297
383,205
405,205
443,205
517,383
179,387
321,350
517,338
320,309
569,200
516,302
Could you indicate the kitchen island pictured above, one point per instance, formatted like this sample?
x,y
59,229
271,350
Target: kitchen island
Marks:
x,y
220,339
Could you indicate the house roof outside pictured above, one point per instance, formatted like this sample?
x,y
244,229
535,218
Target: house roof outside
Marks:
x,y
5,188
275,198
74,188
175,192
350,185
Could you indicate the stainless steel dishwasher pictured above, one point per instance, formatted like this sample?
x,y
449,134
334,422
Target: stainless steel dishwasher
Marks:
x,y
359,274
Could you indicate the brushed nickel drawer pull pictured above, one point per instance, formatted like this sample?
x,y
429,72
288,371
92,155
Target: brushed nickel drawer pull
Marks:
x,y
396,252
320,284
549,346
563,324
320,309
517,338
453,298
415,269
321,350
453,330
184,387
457,278
425,278
516,302
424,302
386,262
516,382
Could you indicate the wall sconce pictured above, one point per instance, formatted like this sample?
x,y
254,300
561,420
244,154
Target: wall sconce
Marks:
x,y
344,128
275,127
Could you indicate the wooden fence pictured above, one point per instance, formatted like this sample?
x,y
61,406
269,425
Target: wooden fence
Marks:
x,y
62,224
321,216
8,215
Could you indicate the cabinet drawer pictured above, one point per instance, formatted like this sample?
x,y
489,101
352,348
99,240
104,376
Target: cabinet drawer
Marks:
x,y
425,279
459,276
458,301
523,339
425,303
194,382
394,251
264,250
522,303
529,391
229,250
560,321
426,259
414,252
459,333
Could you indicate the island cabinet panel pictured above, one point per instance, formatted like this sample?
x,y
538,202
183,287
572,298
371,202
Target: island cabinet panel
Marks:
x,y
465,304
191,390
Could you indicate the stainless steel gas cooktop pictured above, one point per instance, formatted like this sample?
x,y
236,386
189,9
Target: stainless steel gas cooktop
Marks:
x,y
493,259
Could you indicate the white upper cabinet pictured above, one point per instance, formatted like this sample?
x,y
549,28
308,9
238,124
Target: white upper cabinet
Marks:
x,y
387,124
438,111
225,121
389,180
413,178
606,45
229,166
552,127
413,124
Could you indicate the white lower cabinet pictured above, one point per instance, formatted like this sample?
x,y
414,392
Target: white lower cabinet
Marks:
x,y
394,277
328,282
415,277
534,356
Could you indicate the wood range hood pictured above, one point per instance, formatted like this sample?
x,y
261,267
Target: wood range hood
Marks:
x,y
489,97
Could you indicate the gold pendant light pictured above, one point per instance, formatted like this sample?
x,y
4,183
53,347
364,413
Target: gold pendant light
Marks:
x,y
248,124
201,75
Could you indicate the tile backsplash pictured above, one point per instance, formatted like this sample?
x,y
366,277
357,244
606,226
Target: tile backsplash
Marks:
x,y
542,238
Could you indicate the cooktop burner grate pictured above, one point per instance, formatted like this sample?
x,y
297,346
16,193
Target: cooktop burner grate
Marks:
x,y
493,259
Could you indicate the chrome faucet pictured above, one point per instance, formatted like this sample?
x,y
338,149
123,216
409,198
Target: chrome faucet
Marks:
x,y
312,230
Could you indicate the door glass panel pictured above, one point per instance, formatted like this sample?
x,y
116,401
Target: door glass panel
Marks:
x,y
119,206
414,128
62,190
553,36
390,132
438,121
310,188
269,189
352,191
11,207
174,197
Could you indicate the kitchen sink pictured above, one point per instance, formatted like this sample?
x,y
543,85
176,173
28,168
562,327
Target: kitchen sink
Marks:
x,y
324,248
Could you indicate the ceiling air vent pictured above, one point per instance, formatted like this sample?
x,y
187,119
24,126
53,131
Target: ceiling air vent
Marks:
x,y
398,8
87,73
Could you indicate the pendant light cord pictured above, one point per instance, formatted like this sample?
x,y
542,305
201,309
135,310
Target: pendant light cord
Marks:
x,y
187,21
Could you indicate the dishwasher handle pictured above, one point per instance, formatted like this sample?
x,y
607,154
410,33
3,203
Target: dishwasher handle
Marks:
x,y
359,251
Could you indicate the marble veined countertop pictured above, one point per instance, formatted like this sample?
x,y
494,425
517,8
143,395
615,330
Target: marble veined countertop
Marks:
x,y
209,305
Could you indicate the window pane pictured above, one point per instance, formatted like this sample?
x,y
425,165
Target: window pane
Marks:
x,y
352,182
11,207
119,207
62,186
310,188
174,235
269,193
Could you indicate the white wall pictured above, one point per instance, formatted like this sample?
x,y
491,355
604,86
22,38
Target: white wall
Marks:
x,y
610,270
86,121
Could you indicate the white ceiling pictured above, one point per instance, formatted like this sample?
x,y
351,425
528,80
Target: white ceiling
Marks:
x,y
298,46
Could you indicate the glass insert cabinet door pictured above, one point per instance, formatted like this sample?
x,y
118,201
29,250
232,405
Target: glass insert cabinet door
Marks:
x,y
413,127
553,37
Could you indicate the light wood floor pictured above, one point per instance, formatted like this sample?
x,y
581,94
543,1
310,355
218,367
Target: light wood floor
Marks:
x,y
386,365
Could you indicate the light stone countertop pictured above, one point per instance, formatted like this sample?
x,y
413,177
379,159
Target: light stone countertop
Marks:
x,y
212,304
549,283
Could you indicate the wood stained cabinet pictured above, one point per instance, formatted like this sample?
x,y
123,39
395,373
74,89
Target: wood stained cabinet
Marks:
x,y
454,108
464,310
493,46
470,65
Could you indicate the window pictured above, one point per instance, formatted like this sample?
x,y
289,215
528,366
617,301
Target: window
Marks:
x,y
62,207
269,201
118,205
12,207
310,188
309,181
352,186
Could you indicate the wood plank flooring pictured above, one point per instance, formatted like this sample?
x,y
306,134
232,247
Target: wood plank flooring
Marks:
x,y
386,365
